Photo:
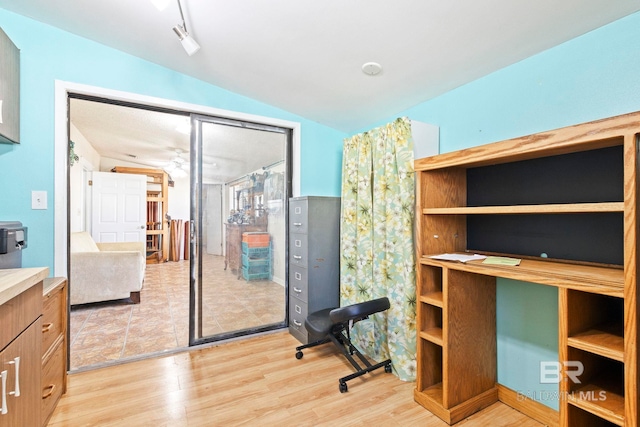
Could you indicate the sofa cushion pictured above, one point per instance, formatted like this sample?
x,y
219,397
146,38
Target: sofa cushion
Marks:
x,y
83,242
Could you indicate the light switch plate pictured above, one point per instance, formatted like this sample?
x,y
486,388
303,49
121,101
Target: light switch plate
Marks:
x,y
38,200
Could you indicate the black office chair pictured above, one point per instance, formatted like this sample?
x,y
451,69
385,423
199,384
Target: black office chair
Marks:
x,y
332,323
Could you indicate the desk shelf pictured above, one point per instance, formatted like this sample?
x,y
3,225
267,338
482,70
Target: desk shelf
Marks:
x,y
605,340
528,209
601,391
565,202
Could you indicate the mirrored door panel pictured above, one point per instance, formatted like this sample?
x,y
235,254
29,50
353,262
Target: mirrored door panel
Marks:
x,y
240,188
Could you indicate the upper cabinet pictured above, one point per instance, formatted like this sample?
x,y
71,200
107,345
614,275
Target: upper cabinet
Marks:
x,y
9,90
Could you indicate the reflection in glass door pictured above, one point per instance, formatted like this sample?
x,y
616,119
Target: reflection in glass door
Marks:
x,y
239,189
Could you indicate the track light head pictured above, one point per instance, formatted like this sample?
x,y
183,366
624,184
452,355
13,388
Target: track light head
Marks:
x,y
188,43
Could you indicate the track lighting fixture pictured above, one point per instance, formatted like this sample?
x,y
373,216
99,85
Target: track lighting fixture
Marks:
x,y
188,43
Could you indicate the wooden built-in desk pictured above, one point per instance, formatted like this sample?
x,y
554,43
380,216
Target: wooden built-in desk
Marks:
x,y
565,201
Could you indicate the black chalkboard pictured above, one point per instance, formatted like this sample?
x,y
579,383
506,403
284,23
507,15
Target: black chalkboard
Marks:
x,y
583,177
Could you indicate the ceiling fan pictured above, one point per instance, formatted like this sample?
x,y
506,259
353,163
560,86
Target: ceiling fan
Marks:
x,y
178,166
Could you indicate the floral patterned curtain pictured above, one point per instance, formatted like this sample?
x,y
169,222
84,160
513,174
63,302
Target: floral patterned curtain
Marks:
x,y
376,245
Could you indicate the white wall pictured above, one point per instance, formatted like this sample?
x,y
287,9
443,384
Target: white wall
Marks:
x,y
88,160
180,204
179,199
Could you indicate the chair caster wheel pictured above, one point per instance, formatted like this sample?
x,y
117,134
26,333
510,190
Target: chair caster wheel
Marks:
x,y
343,387
299,355
387,369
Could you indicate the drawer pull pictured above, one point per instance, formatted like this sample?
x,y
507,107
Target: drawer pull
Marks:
x,y
16,364
297,224
297,257
48,391
4,392
297,290
46,327
297,323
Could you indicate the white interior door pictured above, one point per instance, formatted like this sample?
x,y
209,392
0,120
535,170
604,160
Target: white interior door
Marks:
x,y
118,208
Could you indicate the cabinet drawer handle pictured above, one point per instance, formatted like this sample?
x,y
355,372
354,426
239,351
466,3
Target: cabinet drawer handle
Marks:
x,y
16,364
46,327
297,290
297,257
297,224
297,323
4,392
48,390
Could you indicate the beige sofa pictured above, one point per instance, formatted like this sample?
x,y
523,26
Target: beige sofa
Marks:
x,y
105,271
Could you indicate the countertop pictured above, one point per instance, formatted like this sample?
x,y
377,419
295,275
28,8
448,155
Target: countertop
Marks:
x,y
14,281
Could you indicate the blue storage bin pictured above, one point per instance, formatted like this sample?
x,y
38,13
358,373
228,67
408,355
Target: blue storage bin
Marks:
x,y
255,253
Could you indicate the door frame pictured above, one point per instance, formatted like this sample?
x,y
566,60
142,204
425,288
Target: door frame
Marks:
x,y
61,154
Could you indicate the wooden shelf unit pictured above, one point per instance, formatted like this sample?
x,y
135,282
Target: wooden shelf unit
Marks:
x,y
575,191
157,208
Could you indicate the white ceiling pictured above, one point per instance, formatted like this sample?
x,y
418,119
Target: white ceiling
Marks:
x,y
306,56
147,138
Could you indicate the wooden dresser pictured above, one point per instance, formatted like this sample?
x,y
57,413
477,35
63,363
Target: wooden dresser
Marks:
x,y
54,347
233,252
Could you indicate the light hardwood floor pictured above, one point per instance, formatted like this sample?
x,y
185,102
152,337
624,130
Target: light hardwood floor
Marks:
x,y
251,382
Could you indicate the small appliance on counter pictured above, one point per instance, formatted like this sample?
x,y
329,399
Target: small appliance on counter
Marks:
x,y
13,239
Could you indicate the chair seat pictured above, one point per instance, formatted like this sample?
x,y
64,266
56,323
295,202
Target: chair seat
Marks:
x,y
319,322
355,312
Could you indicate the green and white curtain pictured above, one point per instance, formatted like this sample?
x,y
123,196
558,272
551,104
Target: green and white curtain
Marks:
x,y
376,245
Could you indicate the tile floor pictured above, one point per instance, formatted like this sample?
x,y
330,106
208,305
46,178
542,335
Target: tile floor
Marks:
x,y
104,333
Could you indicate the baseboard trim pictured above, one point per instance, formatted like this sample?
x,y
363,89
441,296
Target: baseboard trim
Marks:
x,y
529,407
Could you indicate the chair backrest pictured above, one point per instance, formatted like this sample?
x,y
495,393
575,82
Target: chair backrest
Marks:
x,y
359,311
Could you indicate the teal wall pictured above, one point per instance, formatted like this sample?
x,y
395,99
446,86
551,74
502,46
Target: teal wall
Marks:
x,y
48,54
591,77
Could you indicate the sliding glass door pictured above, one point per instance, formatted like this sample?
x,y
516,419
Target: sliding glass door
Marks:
x,y
240,184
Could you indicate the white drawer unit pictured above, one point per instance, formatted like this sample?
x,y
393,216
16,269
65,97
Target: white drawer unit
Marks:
x,y
314,259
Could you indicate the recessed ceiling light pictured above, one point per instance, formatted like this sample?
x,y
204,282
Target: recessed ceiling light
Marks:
x,y
372,68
